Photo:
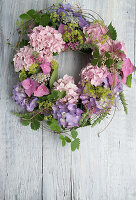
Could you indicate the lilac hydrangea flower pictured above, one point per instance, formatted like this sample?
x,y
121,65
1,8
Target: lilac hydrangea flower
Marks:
x,y
83,22
67,115
31,104
20,97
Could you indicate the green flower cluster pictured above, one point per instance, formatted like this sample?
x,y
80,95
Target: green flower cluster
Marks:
x,y
99,92
72,34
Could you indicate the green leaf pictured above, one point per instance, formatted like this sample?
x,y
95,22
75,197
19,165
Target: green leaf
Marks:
x,y
67,139
107,55
31,13
62,94
75,144
94,62
61,137
129,80
55,54
39,117
25,122
23,43
54,76
54,125
112,32
74,133
37,18
119,64
45,19
99,63
25,17
123,101
109,62
35,124
63,142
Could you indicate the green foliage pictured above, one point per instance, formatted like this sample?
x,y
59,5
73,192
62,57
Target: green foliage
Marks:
x,y
51,98
35,124
112,32
74,133
64,140
96,58
129,80
55,95
75,144
31,13
109,62
67,139
123,101
54,74
54,125
22,75
25,17
86,48
84,121
100,118
107,55
45,19
23,43
34,118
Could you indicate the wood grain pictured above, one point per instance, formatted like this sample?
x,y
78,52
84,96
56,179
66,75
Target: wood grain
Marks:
x,y
33,165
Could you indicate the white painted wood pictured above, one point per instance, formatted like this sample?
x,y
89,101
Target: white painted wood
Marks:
x,y
33,165
20,148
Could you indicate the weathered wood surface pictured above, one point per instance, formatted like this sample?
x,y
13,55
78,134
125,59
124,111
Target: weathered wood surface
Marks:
x,y
33,165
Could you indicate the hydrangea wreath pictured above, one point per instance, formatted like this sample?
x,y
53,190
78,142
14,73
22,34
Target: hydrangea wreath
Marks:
x,y
64,105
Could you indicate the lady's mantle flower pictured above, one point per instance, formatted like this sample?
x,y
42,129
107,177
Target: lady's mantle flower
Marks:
x,y
67,84
43,38
67,115
23,59
94,74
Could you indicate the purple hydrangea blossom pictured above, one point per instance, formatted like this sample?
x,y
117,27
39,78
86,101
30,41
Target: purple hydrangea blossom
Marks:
x,y
83,22
67,115
89,103
20,97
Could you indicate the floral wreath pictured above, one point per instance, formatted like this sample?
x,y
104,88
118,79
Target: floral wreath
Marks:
x,y
64,105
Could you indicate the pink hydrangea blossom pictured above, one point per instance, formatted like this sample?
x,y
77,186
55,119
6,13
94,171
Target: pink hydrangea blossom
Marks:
x,y
30,86
46,38
95,32
113,79
45,55
127,69
118,48
23,59
67,84
41,91
94,74
46,67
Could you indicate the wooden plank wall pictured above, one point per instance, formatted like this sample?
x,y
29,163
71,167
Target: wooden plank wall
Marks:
x,y
33,165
